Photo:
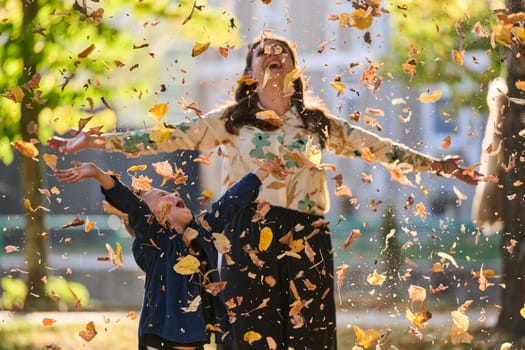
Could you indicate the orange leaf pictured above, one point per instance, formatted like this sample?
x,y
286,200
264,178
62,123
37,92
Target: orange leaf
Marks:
x,y
430,97
251,337
89,333
87,51
27,149
158,111
48,322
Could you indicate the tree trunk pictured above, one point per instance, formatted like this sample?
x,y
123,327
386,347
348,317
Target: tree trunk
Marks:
x,y
513,237
34,225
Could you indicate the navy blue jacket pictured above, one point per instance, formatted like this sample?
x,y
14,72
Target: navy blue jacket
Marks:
x,y
156,250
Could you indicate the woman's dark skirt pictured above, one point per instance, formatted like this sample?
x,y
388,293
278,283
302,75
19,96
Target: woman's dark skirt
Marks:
x,y
280,296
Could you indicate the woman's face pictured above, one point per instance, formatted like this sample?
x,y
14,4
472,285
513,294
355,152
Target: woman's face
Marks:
x,y
271,61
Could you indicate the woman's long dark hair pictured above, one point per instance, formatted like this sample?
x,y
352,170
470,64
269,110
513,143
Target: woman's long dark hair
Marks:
x,y
243,110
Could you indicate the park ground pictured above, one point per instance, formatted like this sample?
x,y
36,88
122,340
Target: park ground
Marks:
x,y
116,330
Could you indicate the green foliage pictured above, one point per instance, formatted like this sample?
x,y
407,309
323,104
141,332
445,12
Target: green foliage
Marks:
x,y
66,293
115,30
14,293
430,32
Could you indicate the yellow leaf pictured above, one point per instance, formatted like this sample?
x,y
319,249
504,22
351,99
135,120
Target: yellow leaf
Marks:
x,y
339,86
27,205
288,88
522,311
137,168
430,97
265,238
158,111
366,337
187,265
361,19
458,57
159,133
15,93
208,193
199,48
251,337
246,80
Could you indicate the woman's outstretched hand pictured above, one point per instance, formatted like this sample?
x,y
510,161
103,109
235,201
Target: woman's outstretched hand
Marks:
x,y
449,166
80,141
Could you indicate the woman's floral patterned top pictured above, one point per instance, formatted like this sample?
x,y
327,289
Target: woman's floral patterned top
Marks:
x,y
306,189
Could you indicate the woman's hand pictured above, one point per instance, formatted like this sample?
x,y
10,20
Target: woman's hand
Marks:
x,y
80,141
449,166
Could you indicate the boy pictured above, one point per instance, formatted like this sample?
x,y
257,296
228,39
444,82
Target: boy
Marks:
x,y
176,309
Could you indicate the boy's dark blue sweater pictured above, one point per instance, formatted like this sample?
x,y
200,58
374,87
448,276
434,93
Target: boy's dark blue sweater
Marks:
x,y
156,250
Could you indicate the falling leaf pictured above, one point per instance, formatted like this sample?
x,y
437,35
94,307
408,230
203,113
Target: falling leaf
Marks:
x,y
246,80
27,149
115,256
11,248
522,311
214,288
50,160
75,222
417,293
199,48
158,111
376,279
87,51
265,238
15,94
446,142
366,337
141,183
48,322
419,319
355,234
458,57
449,258
430,97
137,168
270,117
194,305
339,86
459,328
343,191
89,225
188,265
520,85
251,337
131,315
89,333
361,19
288,83
160,133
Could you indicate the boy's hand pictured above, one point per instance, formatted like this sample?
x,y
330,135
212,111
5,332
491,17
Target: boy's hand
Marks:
x,y
78,172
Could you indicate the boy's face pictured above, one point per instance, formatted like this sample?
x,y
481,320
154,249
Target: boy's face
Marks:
x,y
168,207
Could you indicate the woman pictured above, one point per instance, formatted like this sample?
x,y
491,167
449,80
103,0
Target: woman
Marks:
x,y
280,271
